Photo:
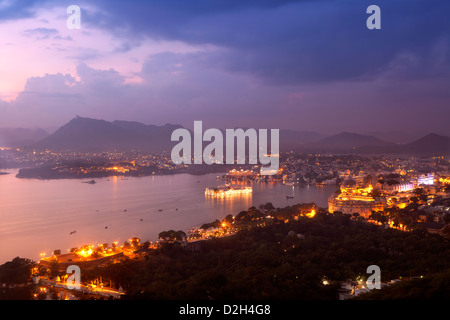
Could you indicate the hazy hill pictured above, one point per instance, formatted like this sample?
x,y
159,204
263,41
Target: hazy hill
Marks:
x,y
296,140
346,142
429,144
398,137
85,134
19,137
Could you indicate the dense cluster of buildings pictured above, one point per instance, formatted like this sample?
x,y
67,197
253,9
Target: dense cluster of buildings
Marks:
x,y
366,184
388,191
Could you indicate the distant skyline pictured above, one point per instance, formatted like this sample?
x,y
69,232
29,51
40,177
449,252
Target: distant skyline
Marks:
x,y
303,65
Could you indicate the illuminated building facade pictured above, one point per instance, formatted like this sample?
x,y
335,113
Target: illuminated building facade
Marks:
x,y
240,173
426,179
356,204
399,187
356,200
65,260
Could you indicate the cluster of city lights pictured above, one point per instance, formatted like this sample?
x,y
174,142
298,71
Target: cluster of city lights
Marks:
x,y
311,214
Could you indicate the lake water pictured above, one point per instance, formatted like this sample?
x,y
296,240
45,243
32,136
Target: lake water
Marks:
x,y
39,215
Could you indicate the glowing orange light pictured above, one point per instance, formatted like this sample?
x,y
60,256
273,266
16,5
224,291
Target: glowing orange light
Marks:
x,y
311,214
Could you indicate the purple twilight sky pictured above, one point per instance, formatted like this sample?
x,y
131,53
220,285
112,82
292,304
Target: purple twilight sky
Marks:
x,y
303,65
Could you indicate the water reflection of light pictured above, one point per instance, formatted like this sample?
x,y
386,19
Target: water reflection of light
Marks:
x,y
115,180
229,201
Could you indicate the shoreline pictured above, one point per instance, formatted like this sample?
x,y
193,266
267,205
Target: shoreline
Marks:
x,y
52,174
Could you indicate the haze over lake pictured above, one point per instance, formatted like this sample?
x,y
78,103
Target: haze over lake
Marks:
x,y
40,215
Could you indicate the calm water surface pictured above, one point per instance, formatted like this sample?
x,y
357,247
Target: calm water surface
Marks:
x,y
39,215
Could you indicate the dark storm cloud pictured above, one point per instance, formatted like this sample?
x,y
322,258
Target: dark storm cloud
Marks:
x,y
11,9
295,42
284,41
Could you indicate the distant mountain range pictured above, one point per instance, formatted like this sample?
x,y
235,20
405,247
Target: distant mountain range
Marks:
x,y
345,142
292,139
85,134
349,141
431,144
14,137
398,137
